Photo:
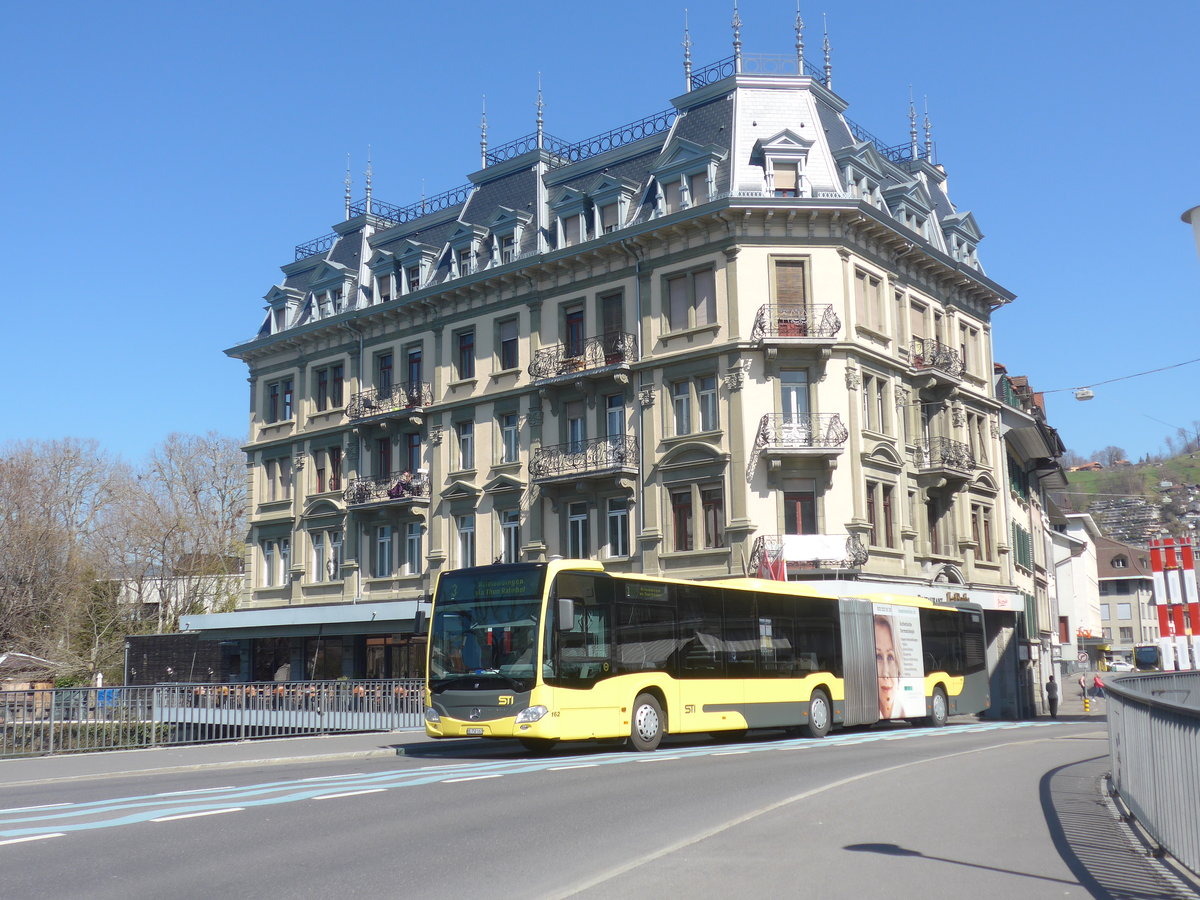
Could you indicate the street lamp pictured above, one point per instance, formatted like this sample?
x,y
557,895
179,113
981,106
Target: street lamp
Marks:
x,y
1192,217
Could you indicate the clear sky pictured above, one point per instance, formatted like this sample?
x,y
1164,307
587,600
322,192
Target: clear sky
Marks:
x,y
163,159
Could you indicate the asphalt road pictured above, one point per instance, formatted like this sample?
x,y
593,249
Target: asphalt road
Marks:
x,y
990,810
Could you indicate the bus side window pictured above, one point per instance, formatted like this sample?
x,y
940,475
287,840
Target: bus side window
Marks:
x,y
701,652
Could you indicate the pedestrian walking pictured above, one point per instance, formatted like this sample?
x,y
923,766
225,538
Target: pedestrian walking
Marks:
x,y
1052,697
1082,687
1098,687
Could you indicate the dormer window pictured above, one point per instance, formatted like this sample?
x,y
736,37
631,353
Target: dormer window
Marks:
x,y
570,230
1120,562
786,180
685,175
504,233
508,248
412,278
384,290
608,218
463,261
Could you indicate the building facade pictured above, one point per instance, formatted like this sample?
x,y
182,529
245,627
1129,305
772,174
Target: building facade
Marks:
x,y
738,336
1127,612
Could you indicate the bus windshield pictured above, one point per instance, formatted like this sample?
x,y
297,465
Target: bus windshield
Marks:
x,y
485,627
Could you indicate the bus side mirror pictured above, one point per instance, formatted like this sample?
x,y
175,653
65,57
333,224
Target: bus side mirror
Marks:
x,y
566,614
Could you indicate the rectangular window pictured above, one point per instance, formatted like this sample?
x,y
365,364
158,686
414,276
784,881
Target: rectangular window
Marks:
x,y
698,187
578,540
787,179
466,445
981,531
673,195
1103,610
800,510
1124,611
383,564
618,527
327,554
509,437
268,563
510,534
573,337
412,451
872,512
691,300
681,519
465,526
868,300
414,364
508,344
1126,633
280,399
789,283
681,405
576,432
385,287
412,548
508,248
384,374
707,395
322,389
463,259
608,218
712,502
570,225
383,456
285,559
465,358
412,278
334,458
889,528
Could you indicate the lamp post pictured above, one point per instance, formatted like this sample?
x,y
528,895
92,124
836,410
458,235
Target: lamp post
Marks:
x,y
1192,217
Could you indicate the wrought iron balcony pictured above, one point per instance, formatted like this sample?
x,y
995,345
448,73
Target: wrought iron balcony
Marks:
x,y
406,399
579,459
808,431
813,321
943,456
387,489
775,555
928,355
592,355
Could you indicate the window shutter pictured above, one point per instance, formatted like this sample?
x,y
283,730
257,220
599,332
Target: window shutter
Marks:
x,y
789,282
706,301
677,312
698,186
785,177
608,217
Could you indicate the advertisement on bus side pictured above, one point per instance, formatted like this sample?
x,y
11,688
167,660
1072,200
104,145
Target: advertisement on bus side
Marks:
x,y
898,661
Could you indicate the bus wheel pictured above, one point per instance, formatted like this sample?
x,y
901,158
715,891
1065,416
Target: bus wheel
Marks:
x,y
938,708
538,745
820,715
646,728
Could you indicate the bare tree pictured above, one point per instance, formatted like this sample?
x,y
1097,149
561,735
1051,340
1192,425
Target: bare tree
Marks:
x,y
1111,455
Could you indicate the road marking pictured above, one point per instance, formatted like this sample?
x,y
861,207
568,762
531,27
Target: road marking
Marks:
x,y
731,753
196,815
472,778
658,758
351,794
33,837
579,766
32,808
331,777
228,787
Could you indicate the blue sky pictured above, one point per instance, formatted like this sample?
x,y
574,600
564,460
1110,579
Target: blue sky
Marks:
x,y
163,159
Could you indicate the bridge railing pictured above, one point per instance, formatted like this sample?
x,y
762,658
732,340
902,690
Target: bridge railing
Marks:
x,y
1154,749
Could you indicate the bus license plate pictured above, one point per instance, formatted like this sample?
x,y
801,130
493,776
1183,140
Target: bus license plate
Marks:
x,y
471,732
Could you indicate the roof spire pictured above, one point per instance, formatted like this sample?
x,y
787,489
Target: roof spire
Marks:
x,y
347,186
828,64
737,39
540,107
912,123
928,132
368,209
799,41
483,135
687,53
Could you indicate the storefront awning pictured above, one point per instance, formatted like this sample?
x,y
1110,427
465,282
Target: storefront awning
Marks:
x,y
291,621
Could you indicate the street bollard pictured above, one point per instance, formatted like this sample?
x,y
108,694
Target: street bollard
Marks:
x,y
1087,704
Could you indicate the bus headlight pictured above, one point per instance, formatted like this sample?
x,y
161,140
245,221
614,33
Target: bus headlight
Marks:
x,y
531,714
431,715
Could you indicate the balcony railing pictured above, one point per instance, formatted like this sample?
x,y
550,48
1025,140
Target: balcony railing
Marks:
x,y
944,455
754,64
926,353
800,431
774,555
594,457
407,397
386,489
817,320
594,353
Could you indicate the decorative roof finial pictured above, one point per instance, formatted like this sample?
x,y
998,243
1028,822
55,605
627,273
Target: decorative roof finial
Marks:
x,y
687,54
540,107
368,210
912,123
928,132
828,64
483,135
799,41
737,39
347,186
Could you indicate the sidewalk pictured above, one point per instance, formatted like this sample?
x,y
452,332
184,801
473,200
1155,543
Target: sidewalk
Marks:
x,y
116,763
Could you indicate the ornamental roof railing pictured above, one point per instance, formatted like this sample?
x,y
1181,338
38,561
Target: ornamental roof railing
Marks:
x,y
754,64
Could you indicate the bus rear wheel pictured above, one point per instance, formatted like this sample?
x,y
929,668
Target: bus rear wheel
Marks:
x,y
646,723
820,715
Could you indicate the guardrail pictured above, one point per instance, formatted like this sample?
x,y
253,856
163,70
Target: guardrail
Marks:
x,y
82,720
1154,750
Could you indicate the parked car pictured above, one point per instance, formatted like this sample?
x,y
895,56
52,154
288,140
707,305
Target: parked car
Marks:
x,y
1120,665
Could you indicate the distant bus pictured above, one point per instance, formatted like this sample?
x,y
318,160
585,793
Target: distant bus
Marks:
x,y
564,651
1147,658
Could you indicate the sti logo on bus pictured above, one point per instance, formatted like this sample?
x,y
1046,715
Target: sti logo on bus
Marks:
x,y
505,701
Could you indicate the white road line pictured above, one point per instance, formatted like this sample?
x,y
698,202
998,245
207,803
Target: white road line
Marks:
x,y
32,808
331,777
731,753
196,815
228,787
658,758
580,766
351,794
472,778
32,837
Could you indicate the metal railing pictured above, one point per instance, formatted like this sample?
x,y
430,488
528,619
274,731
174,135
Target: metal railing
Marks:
x,y
927,353
409,396
1154,750
754,64
798,431
386,489
593,457
316,245
83,720
944,454
772,556
593,353
398,215
817,320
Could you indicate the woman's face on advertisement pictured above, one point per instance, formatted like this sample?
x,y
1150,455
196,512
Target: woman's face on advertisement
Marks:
x,y
887,667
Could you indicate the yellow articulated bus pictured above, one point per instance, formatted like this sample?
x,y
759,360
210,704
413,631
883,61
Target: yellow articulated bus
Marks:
x,y
564,651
